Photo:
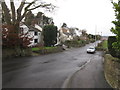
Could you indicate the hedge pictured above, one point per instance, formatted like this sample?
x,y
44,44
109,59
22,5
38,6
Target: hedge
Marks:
x,y
111,40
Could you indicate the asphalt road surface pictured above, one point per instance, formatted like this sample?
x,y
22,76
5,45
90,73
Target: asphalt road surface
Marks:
x,y
51,71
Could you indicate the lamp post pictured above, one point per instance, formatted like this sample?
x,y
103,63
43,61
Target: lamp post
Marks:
x,y
101,35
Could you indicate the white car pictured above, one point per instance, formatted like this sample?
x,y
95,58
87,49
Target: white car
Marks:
x,y
91,50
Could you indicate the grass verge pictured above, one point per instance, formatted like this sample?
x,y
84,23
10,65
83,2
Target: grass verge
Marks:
x,y
41,48
104,44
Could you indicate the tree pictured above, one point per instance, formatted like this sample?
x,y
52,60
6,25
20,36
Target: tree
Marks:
x,y
29,18
50,35
39,15
41,19
11,39
84,32
91,36
47,20
13,16
116,29
64,25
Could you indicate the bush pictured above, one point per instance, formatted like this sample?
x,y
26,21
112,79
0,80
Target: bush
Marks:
x,y
102,46
75,43
11,38
50,35
112,51
92,40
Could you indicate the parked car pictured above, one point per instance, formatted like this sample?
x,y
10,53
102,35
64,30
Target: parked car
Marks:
x,y
91,50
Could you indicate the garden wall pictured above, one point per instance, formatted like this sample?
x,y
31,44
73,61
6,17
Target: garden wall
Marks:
x,y
8,53
112,71
47,51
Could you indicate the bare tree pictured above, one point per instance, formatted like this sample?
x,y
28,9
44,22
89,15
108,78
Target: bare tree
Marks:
x,y
13,16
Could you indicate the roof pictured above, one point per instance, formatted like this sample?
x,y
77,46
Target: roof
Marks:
x,y
38,27
65,31
35,28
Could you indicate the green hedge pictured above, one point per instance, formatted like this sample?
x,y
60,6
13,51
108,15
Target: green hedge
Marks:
x,y
102,46
38,48
75,43
111,40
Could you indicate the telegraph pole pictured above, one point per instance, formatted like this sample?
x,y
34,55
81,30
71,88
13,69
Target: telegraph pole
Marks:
x,y
95,35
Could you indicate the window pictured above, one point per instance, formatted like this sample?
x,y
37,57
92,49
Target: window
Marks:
x,y
36,33
35,40
21,29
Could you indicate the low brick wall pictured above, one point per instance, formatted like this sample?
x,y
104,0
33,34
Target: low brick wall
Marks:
x,y
112,71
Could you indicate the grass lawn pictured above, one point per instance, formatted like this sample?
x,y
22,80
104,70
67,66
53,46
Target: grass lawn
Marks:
x,y
37,48
49,47
104,44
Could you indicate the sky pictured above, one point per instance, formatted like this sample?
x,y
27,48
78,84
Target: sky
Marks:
x,y
95,16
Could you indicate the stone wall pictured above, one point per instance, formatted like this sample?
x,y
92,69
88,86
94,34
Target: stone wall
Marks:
x,y
112,71
8,53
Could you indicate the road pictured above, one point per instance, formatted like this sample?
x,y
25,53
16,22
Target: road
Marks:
x,y
49,71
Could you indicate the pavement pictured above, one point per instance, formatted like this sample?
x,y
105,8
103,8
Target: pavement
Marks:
x,y
90,75
73,68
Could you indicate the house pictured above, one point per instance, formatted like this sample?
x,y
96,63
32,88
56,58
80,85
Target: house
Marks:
x,y
104,38
65,34
69,33
34,31
75,32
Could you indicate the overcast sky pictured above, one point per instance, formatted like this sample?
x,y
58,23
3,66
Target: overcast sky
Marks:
x,y
83,14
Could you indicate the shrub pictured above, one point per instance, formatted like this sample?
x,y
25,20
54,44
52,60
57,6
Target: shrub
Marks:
x,y
112,51
50,35
75,43
12,39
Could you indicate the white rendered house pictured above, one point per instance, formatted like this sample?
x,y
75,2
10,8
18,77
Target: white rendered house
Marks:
x,y
34,32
